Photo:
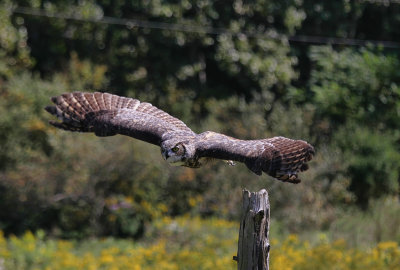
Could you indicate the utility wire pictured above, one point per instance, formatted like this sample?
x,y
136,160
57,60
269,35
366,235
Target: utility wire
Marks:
x,y
131,23
383,2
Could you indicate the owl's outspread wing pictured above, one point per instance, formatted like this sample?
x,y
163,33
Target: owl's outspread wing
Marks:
x,y
106,115
279,157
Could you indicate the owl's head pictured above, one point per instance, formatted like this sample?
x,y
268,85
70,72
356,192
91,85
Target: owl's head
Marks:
x,y
177,152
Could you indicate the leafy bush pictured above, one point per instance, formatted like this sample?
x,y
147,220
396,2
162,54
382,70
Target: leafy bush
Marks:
x,y
356,96
359,85
372,161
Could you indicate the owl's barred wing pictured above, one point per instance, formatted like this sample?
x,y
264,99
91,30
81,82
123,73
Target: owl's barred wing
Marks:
x,y
106,115
279,157
287,158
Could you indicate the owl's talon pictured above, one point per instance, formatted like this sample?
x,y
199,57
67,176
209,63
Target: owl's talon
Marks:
x,y
231,163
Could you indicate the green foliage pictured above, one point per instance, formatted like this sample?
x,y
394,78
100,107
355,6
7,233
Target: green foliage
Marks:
x,y
163,61
364,88
248,83
366,20
373,162
21,125
381,222
14,50
358,109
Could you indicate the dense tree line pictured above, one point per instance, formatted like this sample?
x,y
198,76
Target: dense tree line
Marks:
x,y
251,79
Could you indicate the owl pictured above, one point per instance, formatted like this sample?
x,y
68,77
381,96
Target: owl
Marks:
x,y
107,115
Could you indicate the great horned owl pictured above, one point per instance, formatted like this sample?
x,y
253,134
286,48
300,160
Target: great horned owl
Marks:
x,y
106,115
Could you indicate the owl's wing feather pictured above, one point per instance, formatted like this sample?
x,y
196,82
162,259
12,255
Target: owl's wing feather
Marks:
x,y
106,115
279,157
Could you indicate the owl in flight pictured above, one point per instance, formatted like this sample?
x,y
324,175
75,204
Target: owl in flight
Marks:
x,y
106,115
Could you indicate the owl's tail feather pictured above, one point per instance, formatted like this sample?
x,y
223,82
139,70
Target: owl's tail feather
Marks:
x,y
289,158
77,110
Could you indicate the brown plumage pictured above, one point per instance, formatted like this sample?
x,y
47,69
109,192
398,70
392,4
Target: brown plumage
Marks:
x,y
106,115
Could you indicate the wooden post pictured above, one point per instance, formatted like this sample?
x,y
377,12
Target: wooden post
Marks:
x,y
253,247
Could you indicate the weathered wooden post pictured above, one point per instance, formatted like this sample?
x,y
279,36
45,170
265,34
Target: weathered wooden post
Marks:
x,y
253,247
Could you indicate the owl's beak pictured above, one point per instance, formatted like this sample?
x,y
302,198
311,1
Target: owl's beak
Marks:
x,y
165,155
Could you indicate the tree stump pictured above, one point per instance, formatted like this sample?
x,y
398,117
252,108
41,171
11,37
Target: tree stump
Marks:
x,y
253,246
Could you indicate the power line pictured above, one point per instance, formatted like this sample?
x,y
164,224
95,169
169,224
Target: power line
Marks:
x,y
343,41
131,23
383,2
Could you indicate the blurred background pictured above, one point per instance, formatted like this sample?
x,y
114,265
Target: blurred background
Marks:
x,y
323,71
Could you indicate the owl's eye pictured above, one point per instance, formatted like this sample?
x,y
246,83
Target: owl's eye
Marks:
x,y
175,149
